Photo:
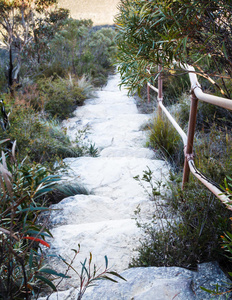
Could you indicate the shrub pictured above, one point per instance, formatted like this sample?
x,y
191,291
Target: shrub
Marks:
x,y
85,85
61,96
62,191
42,140
207,114
185,229
55,68
214,153
22,190
174,86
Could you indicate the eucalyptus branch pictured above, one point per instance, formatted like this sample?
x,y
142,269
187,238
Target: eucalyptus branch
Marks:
x,y
206,76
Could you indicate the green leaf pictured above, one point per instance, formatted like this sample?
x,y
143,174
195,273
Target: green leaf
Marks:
x,y
53,272
36,232
206,290
224,49
3,141
106,260
109,278
47,281
39,208
54,177
84,268
31,259
116,274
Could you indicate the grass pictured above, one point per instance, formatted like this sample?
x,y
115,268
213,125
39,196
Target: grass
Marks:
x,y
62,191
164,138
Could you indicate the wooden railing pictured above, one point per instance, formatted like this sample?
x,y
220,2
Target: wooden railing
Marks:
x,y
196,94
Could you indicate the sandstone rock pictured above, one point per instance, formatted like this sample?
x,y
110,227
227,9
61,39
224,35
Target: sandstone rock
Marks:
x,y
163,283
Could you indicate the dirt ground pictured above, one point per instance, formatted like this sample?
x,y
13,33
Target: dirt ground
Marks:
x,y
101,12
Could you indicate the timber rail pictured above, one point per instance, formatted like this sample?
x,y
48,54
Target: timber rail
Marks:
x,y
188,139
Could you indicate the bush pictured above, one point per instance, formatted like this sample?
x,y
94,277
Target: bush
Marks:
x,y
21,195
78,49
55,68
61,96
185,229
193,219
207,114
42,140
164,137
214,153
174,86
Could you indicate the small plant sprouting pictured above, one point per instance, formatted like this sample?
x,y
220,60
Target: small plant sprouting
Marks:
x,y
89,273
154,188
84,144
93,151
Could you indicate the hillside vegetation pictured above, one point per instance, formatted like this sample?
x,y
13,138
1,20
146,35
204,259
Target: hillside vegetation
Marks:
x,y
171,33
49,64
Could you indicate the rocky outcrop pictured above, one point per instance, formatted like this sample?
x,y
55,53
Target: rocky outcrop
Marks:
x,y
163,283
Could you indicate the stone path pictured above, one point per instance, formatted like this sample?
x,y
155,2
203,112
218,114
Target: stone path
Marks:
x,y
102,222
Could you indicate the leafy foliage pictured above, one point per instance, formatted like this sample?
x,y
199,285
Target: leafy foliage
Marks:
x,y
214,153
23,269
209,117
60,96
89,273
18,25
185,230
160,32
22,191
79,49
43,141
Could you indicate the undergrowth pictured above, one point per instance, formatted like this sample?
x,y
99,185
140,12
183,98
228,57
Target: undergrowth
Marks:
x,y
24,270
164,138
185,230
192,224
42,140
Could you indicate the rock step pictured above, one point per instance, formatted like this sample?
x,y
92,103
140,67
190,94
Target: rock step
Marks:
x,y
105,131
137,152
114,238
163,283
82,209
113,176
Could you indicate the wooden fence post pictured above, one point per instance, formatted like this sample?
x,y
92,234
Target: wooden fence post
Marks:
x,y
188,151
148,93
160,88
